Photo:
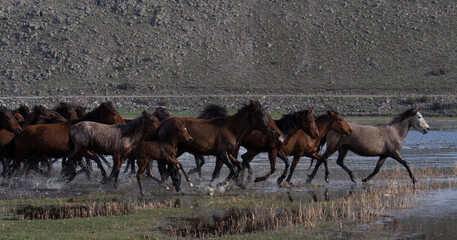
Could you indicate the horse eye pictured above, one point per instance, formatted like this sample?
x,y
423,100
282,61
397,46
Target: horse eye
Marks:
x,y
418,116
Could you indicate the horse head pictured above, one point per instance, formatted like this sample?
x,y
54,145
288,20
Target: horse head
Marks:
x,y
418,122
55,117
308,125
109,115
80,111
9,122
161,113
339,124
66,110
183,134
150,123
262,120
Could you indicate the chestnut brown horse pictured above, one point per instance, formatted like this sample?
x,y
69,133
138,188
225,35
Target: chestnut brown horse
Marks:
x,y
301,144
115,140
210,111
66,110
384,140
257,142
289,124
221,136
8,128
39,142
164,153
161,114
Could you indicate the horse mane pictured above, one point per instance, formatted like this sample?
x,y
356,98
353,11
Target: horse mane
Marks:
x,y
404,115
248,107
326,115
96,113
164,129
23,110
131,127
3,109
62,106
212,111
287,121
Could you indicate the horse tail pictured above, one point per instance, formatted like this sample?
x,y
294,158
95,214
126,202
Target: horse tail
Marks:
x,y
319,148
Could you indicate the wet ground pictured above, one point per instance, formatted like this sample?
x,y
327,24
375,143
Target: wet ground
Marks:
x,y
435,216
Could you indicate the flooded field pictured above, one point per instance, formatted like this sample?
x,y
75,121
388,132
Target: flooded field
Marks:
x,y
433,216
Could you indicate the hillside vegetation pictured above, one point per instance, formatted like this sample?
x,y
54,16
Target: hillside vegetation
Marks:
x,y
145,47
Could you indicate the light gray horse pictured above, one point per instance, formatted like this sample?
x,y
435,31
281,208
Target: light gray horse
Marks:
x,y
384,140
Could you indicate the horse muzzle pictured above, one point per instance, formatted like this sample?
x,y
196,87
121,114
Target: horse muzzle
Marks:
x,y
425,130
189,140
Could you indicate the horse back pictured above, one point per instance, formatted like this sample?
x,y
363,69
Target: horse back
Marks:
x,y
365,140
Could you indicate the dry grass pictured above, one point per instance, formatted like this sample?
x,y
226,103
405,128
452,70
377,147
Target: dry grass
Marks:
x,y
374,201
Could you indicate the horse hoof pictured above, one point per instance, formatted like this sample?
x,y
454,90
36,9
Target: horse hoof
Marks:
x,y
190,184
364,180
259,179
309,180
327,180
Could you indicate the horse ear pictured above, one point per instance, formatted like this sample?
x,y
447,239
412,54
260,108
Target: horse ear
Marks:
x,y
144,113
415,109
331,113
310,110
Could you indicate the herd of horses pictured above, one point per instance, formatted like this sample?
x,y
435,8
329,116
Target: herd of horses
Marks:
x,y
35,139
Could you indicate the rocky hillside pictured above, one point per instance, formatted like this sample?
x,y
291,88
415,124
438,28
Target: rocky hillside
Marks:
x,y
184,47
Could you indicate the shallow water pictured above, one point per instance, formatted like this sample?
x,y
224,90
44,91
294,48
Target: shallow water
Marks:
x,y
434,217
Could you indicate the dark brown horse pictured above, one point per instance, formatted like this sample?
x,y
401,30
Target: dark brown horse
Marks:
x,y
161,114
384,140
39,142
8,128
221,136
301,144
66,110
163,152
289,124
115,140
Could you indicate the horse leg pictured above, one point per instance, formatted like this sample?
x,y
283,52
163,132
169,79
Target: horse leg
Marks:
x,y
340,161
376,170
117,161
149,173
292,167
316,168
283,157
178,165
225,159
95,157
247,158
217,169
199,162
397,157
272,157
175,176
5,167
104,160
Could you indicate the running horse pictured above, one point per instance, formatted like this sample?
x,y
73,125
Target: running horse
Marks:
x,y
301,144
383,140
257,142
39,142
115,140
9,127
221,136
164,152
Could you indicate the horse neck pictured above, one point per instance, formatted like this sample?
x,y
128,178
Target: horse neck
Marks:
x,y
232,123
134,130
287,127
402,127
323,126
